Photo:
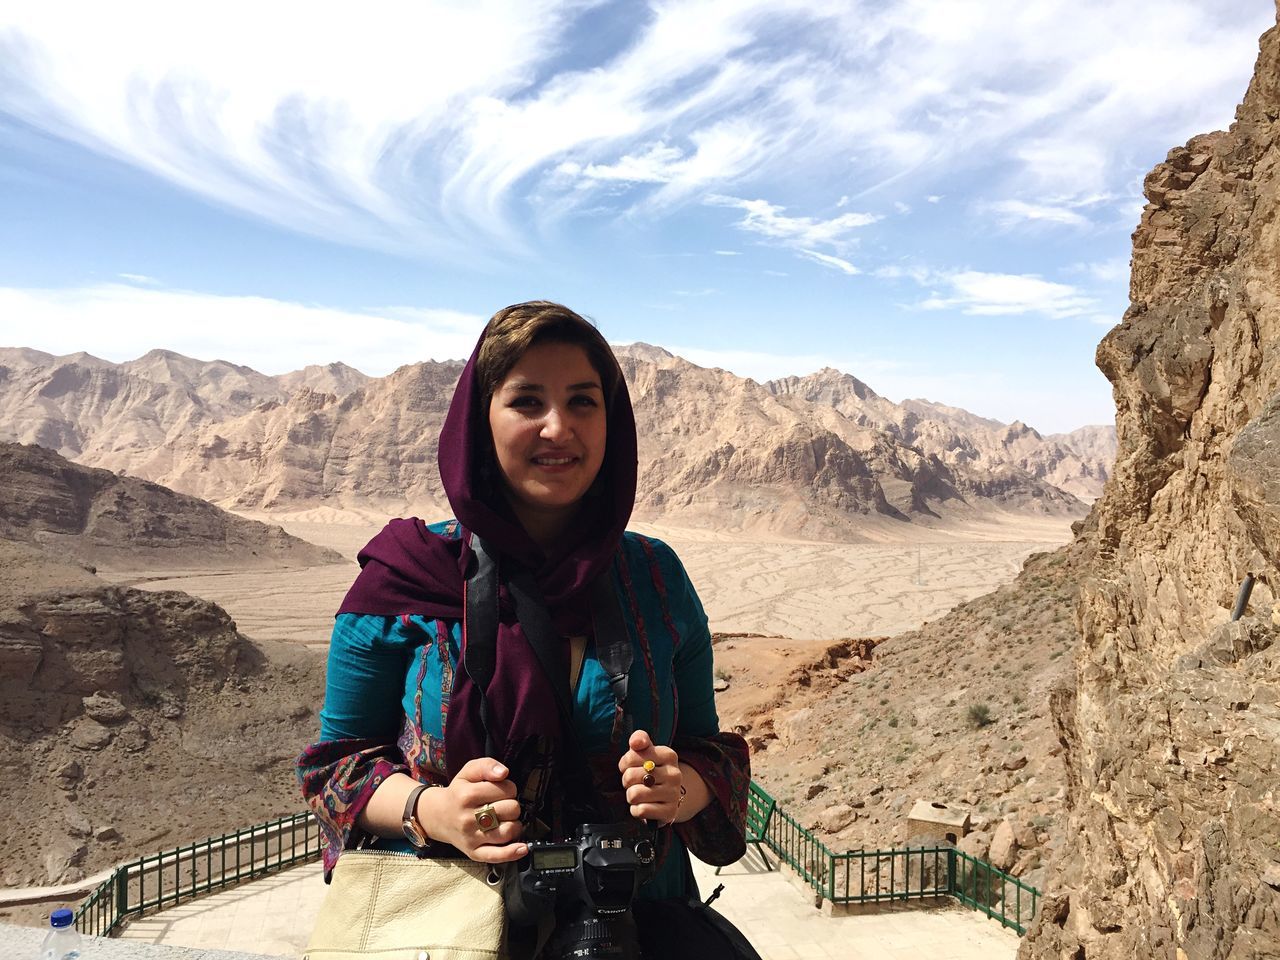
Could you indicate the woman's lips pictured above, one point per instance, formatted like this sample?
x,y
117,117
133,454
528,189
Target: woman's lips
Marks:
x,y
554,463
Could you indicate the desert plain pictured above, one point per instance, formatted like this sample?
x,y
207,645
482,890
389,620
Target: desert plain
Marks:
x,y
798,590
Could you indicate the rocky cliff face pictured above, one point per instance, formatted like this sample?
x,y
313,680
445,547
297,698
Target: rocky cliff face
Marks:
x,y
129,720
1172,728
101,517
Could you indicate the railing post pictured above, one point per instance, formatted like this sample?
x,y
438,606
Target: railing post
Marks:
x,y
951,872
121,896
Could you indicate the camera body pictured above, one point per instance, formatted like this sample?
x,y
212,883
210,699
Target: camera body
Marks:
x,y
587,885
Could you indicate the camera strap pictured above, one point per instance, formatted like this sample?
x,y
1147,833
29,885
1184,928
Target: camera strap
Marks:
x,y
614,649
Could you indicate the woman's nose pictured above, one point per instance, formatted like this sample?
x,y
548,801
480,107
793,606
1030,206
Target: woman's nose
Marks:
x,y
555,425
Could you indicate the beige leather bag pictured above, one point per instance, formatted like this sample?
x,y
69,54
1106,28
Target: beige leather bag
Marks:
x,y
396,906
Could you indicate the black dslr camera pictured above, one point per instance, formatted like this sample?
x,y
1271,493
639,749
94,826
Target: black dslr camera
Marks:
x,y
588,884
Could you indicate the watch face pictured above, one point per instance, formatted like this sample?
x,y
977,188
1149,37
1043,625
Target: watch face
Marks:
x,y
413,833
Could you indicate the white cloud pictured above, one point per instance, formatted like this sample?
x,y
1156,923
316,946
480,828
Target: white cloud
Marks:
x,y
999,294
139,278
902,208
656,165
1012,212
800,234
120,322
727,253
834,263
895,271
1106,271
446,128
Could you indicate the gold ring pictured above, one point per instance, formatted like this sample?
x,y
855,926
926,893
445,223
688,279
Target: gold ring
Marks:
x,y
648,766
487,818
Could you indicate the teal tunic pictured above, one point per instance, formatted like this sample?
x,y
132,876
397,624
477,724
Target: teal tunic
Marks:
x,y
386,670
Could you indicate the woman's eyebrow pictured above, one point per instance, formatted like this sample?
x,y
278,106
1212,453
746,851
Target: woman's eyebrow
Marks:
x,y
525,386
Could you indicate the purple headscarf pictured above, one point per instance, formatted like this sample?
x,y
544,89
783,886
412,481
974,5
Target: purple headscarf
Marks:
x,y
406,569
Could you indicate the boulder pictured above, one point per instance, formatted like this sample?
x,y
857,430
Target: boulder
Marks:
x,y
90,735
836,817
975,844
1004,846
105,709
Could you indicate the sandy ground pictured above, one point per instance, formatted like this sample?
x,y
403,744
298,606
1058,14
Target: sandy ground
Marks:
x,y
801,589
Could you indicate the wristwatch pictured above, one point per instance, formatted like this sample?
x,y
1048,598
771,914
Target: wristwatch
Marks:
x,y
413,831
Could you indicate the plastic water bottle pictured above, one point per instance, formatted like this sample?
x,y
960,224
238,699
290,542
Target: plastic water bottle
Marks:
x,y
62,942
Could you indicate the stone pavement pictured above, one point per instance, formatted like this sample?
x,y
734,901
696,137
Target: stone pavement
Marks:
x,y
274,915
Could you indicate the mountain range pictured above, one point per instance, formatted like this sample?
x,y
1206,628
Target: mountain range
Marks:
x,y
820,455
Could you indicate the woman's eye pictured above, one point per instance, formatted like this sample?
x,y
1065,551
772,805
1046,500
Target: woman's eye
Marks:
x,y
582,400
525,401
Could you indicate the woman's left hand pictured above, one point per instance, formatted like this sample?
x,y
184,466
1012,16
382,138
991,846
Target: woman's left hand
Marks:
x,y
658,796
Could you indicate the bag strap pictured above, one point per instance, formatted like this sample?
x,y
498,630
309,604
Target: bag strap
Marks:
x,y
614,649
480,632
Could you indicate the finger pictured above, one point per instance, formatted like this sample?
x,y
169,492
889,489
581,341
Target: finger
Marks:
x,y
664,756
482,770
630,759
508,811
505,832
658,777
499,853
662,812
640,749
478,794
642,794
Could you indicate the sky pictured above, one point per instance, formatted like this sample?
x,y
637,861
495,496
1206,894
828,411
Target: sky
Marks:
x,y
935,196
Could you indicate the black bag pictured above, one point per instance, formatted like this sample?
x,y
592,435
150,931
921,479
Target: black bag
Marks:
x,y
688,929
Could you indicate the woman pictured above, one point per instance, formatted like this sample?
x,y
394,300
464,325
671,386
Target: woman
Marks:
x,y
538,459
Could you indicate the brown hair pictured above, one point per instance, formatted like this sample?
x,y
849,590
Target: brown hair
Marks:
x,y
514,329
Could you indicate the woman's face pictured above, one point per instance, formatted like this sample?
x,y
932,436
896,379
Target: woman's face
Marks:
x,y
548,424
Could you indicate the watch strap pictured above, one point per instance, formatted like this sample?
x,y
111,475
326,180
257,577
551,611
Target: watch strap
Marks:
x,y
410,822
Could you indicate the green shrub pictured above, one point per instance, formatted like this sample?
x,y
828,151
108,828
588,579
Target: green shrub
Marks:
x,y
979,715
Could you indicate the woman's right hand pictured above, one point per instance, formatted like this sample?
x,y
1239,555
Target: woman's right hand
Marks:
x,y
448,814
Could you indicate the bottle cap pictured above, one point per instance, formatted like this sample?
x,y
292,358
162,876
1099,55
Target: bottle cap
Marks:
x,y
61,917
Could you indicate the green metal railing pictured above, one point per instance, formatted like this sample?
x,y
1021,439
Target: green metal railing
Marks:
x,y
173,876
855,876
911,873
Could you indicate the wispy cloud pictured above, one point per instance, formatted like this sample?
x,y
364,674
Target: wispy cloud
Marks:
x,y
120,322
768,220
1004,294
1014,212
140,278
1105,271
833,263
448,128
727,253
